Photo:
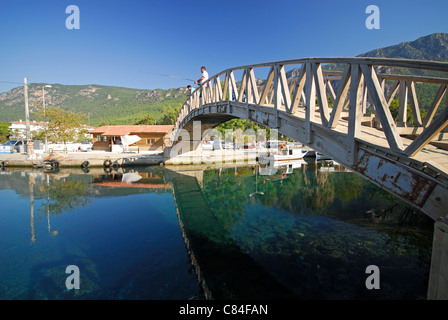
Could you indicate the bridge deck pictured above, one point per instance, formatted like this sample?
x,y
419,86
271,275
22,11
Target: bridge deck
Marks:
x,y
307,108
429,154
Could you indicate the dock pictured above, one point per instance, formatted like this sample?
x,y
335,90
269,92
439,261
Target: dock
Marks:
x,y
127,159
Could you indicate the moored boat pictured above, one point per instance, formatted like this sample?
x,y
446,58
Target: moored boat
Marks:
x,y
320,156
285,154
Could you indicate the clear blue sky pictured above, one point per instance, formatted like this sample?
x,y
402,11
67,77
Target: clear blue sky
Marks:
x,y
118,39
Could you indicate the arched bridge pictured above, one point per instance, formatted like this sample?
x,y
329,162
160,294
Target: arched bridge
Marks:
x,y
340,107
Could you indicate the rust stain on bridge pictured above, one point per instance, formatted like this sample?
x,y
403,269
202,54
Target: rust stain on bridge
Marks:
x,y
409,185
298,107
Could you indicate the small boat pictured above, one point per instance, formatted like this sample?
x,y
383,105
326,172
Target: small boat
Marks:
x,y
293,164
320,156
286,154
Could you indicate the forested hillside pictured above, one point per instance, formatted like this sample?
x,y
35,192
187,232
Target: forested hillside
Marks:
x,y
102,104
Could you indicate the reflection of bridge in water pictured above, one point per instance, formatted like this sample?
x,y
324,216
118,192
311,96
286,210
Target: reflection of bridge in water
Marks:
x,y
221,267
218,260
401,157
408,159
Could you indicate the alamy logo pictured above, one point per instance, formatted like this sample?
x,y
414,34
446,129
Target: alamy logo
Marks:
x,y
373,281
72,21
72,281
373,21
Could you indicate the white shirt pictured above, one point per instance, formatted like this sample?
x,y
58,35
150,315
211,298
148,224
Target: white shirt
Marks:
x,y
205,75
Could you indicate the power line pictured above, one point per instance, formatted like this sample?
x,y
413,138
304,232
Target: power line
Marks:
x,y
11,82
167,75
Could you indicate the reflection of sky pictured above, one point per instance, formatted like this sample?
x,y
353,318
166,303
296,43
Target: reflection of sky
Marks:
x,y
128,245
125,247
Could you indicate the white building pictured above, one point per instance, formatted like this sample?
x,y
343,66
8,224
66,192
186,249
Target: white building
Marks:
x,y
18,128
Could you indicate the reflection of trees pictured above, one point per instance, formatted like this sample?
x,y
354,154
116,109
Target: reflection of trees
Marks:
x,y
301,191
309,191
365,223
65,195
408,233
319,193
341,194
350,186
227,196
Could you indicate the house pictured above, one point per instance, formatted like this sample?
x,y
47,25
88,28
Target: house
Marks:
x,y
152,137
18,128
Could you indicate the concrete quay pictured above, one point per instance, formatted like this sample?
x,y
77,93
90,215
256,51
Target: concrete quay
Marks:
x,y
120,159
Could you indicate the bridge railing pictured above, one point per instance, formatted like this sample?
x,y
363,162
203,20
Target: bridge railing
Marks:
x,y
336,93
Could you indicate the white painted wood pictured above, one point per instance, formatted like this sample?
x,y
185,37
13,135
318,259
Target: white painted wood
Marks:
x,y
267,86
355,112
219,95
310,102
428,134
403,104
414,103
435,105
226,87
364,99
382,109
321,93
298,93
330,90
243,85
249,90
277,94
338,105
234,86
392,92
286,95
253,82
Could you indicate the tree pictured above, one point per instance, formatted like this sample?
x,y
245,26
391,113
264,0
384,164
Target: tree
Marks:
x,y
39,135
63,125
394,106
65,195
169,116
5,132
146,120
242,124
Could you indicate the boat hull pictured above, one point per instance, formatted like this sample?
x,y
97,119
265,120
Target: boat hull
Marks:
x,y
284,157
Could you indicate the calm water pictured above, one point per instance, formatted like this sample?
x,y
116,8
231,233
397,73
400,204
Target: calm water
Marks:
x,y
236,233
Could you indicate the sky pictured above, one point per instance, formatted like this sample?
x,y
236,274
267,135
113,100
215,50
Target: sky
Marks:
x,y
119,41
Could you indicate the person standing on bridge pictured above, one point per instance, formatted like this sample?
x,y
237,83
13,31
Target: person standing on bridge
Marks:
x,y
189,91
203,78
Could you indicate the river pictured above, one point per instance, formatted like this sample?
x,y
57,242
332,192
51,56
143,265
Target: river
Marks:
x,y
306,231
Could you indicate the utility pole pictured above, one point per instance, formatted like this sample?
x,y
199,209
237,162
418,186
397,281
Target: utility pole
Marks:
x,y
45,115
29,143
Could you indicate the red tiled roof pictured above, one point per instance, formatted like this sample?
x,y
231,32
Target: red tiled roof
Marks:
x,y
131,129
119,184
40,122
24,122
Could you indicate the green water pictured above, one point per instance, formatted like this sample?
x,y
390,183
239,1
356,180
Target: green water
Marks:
x,y
232,233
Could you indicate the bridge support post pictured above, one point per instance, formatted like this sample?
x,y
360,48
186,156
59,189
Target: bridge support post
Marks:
x,y
167,152
355,112
438,276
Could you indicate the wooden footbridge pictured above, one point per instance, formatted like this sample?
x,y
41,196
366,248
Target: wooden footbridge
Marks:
x,y
325,107
340,107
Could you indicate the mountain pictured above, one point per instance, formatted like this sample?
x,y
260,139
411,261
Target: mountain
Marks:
x,y
105,104
118,105
432,47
